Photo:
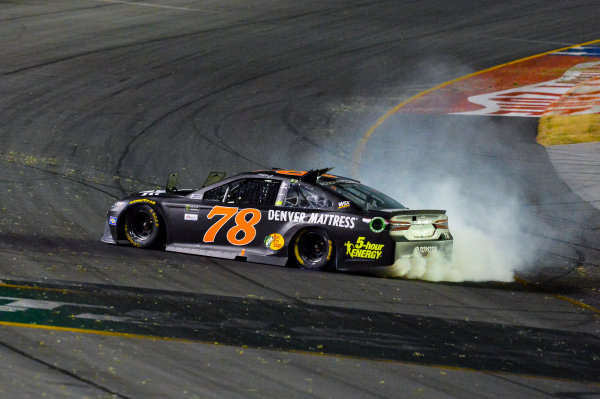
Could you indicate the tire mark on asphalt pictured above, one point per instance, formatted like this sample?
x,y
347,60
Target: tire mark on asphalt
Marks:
x,y
72,10
287,121
219,29
525,386
218,141
140,4
73,179
64,371
246,278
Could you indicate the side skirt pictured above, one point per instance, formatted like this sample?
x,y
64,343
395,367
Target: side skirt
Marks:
x,y
222,253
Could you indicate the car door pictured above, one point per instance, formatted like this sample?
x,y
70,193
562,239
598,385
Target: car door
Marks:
x,y
236,214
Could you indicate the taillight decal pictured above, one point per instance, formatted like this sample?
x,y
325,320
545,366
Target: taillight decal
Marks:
x,y
398,225
441,224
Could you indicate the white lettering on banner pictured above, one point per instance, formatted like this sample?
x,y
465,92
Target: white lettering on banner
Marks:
x,y
538,99
346,222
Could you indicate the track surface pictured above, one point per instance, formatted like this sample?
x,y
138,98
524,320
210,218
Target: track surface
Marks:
x,y
99,98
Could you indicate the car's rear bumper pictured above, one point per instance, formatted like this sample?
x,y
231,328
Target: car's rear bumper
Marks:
x,y
407,249
403,250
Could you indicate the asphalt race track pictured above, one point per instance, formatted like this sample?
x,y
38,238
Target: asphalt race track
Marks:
x,y
100,98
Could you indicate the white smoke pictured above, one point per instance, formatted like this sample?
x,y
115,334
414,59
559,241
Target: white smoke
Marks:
x,y
486,245
489,244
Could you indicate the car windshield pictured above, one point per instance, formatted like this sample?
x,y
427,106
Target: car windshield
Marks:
x,y
364,196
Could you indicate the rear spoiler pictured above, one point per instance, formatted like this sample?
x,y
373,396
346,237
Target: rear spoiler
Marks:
x,y
417,212
312,175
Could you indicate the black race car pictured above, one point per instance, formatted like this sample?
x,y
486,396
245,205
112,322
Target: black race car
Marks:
x,y
312,219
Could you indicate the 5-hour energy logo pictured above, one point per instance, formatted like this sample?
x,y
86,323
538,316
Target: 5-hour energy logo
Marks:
x,y
363,250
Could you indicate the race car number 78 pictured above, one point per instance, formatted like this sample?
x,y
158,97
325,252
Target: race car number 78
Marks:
x,y
241,224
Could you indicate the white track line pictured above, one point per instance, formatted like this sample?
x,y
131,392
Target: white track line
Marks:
x,y
135,3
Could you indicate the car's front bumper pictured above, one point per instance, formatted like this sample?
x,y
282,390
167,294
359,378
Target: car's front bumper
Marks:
x,y
107,237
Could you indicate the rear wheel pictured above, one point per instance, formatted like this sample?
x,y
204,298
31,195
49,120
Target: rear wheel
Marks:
x,y
143,227
313,249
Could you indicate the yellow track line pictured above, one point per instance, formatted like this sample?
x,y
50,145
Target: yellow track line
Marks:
x,y
362,143
36,288
97,332
559,296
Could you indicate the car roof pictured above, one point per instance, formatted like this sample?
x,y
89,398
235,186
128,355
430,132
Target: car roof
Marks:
x,y
302,174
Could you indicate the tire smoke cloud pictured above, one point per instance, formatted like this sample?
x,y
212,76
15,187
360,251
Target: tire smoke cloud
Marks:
x,y
488,244
469,168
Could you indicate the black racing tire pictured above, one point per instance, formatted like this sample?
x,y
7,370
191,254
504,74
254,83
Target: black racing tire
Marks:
x,y
313,249
143,227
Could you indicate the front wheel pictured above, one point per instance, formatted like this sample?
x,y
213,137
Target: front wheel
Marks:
x,y
313,249
143,227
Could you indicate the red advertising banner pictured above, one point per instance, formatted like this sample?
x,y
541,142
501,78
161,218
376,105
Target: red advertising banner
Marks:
x,y
560,83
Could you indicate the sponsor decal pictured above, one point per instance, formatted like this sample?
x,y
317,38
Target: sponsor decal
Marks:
x,y
347,222
112,220
283,189
422,231
274,241
363,250
191,216
152,192
142,201
192,209
425,250
421,220
343,204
